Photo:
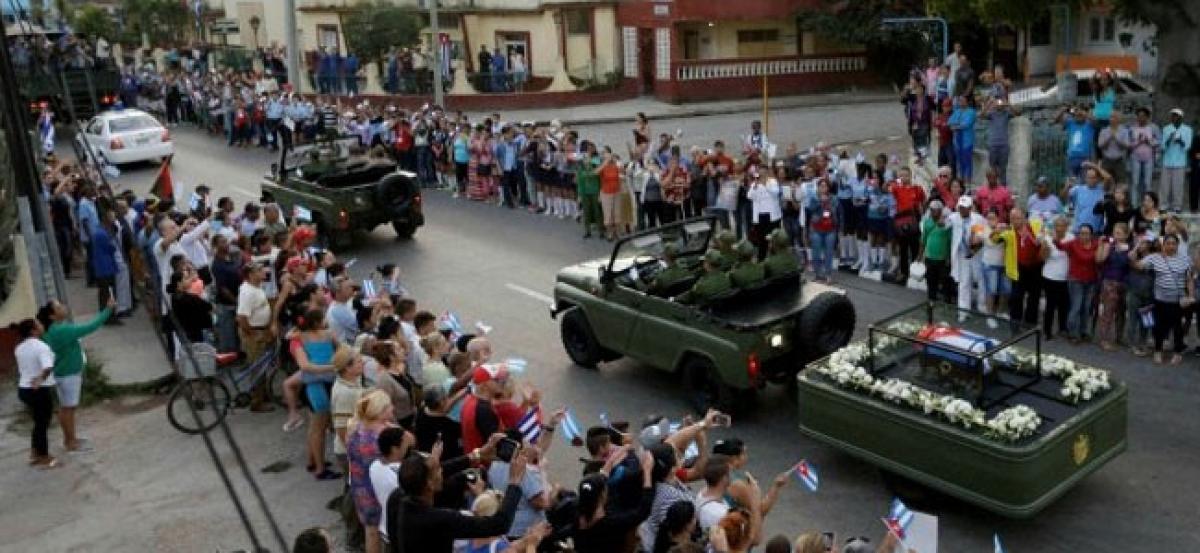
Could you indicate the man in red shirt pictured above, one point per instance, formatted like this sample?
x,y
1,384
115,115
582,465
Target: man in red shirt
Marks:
x,y
994,195
479,417
723,162
1027,289
910,202
403,143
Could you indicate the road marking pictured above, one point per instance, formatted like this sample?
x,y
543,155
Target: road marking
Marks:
x,y
867,142
895,137
527,292
243,191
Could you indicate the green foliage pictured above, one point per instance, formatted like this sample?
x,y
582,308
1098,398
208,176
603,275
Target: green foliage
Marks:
x,y
372,30
162,21
1017,13
93,22
890,50
96,386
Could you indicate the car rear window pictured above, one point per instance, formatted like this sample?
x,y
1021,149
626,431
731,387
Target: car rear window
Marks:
x,y
135,123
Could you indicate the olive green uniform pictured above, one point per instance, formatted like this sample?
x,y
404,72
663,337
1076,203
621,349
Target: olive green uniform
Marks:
x,y
708,287
780,263
669,277
746,274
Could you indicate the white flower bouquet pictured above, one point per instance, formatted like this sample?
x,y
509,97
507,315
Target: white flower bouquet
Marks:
x,y
1014,423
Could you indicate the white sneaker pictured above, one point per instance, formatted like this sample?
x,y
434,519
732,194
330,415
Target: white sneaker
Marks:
x,y
991,322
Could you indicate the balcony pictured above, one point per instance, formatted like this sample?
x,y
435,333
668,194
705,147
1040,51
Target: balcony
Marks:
x,y
698,70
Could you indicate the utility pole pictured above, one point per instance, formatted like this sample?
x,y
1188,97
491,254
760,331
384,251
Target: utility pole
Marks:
x,y
293,45
436,44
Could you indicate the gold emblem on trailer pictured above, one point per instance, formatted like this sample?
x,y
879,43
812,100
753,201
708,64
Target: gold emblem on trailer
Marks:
x,y
1081,449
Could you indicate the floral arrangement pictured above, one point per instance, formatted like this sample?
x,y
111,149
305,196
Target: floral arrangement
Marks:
x,y
1080,383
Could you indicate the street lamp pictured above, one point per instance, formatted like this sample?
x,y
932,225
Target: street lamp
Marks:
x,y
254,23
899,21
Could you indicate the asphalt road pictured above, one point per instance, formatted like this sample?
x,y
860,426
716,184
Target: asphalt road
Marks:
x,y
496,265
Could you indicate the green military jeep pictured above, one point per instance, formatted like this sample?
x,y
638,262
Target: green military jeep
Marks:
x,y
725,349
342,193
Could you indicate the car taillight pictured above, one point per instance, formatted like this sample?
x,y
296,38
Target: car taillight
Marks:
x,y
752,367
343,219
115,144
44,104
166,135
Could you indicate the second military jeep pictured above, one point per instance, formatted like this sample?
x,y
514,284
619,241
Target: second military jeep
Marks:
x,y
725,349
342,193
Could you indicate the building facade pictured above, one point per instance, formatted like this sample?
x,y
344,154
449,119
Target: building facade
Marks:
x,y
1088,38
688,50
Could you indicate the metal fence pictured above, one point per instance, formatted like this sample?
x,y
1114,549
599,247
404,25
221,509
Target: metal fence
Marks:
x,y
1048,155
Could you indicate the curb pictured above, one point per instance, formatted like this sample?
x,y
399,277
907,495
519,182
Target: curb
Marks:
x,y
713,111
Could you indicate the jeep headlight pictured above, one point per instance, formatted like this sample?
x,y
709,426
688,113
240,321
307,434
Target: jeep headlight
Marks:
x,y
359,201
775,340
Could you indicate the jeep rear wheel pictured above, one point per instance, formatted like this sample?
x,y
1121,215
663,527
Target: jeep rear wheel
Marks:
x,y
578,339
704,388
826,325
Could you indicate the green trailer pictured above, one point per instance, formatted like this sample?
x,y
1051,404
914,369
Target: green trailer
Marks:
x,y
890,411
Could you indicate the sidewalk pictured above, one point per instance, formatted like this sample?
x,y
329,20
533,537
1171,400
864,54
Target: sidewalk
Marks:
x,y
623,111
131,353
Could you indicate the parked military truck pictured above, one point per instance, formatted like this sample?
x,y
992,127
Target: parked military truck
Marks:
x,y
342,193
724,350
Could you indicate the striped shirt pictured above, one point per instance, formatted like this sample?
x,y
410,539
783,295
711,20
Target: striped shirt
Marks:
x,y
1170,275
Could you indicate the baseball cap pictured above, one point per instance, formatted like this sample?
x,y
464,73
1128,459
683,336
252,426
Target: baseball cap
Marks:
x,y
304,234
731,447
1043,180
936,204
655,429
1177,111
965,201
489,372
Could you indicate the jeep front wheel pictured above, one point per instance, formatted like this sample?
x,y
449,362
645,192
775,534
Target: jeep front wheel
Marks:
x,y
404,231
578,339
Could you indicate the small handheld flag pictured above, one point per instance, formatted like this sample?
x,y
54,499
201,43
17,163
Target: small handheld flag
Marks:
x,y
369,289
1147,316
449,322
530,424
483,328
997,546
807,475
571,430
899,518
164,186
515,365
302,213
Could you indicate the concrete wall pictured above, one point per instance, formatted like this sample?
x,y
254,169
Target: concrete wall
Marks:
x,y
720,41
1041,59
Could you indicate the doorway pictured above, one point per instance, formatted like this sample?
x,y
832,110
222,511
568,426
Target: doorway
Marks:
x,y
646,49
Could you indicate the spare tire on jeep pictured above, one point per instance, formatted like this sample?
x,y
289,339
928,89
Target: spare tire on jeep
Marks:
x,y
826,325
394,192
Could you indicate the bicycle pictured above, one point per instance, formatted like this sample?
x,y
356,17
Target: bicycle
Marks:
x,y
208,390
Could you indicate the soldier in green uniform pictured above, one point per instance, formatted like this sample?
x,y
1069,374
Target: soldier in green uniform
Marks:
x,y
724,247
747,272
672,274
781,261
714,282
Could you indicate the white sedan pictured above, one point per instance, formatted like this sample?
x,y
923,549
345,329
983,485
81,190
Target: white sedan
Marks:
x,y
126,136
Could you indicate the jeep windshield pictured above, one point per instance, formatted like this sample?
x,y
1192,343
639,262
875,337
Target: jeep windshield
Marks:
x,y
690,236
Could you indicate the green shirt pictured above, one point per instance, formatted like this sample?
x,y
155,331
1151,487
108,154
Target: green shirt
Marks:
x,y
587,180
747,273
669,277
708,287
63,338
781,263
727,260
935,239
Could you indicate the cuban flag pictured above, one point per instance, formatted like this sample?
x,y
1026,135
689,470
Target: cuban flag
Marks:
x,y
996,545
963,340
449,321
807,475
899,518
571,430
530,425
302,213
483,328
369,289
198,6
516,365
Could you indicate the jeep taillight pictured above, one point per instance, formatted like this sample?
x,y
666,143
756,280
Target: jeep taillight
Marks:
x,y
115,144
343,219
753,368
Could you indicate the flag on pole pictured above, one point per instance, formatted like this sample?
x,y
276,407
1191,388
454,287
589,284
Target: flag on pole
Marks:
x,y
301,213
197,6
46,130
899,518
571,430
449,322
515,365
997,546
807,475
530,424
164,186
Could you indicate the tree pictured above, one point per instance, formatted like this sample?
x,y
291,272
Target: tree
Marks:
x,y
156,21
891,51
373,29
94,22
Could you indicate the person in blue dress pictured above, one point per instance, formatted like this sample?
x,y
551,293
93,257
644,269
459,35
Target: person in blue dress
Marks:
x,y
962,123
